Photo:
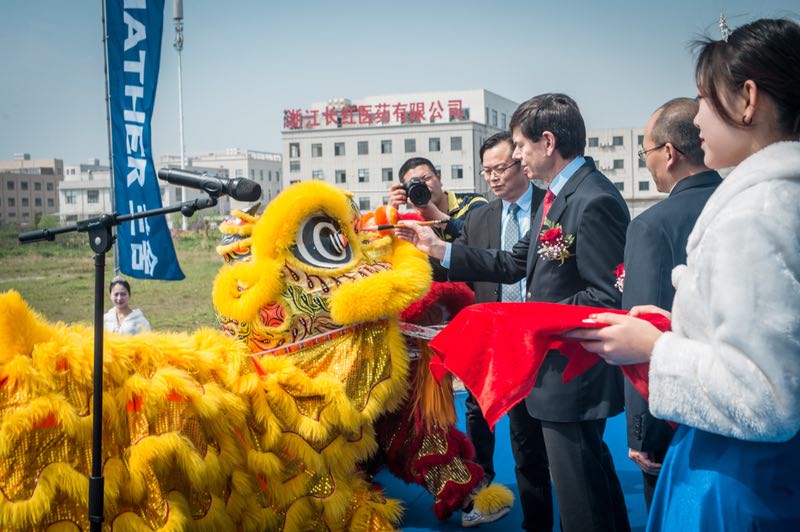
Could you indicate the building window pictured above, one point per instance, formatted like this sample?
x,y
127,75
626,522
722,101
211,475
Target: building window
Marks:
x,y
70,197
92,196
502,121
644,186
317,174
240,172
294,166
341,177
363,147
640,141
37,187
494,118
593,142
386,175
50,202
277,175
25,202
316,150
37,202
363,175
457,171
620,185
14,215
10,185
642,164
178,194
616,141
12,202
261,174
411,145
619,164
49,187
434,144
252,174
338,149
23,185
455,143
386,146
363,204
294,149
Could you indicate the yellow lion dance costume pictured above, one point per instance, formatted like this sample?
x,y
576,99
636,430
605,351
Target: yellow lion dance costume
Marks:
x,y
262,427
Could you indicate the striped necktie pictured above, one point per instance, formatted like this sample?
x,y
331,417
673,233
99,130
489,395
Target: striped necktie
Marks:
x,y
511,292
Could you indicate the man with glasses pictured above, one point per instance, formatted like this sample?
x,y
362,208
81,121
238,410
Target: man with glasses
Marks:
x,y
500,225
655,244
443,205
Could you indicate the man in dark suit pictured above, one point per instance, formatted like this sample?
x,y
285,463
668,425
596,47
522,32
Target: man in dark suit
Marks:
x,y
549,137
655,244
499,225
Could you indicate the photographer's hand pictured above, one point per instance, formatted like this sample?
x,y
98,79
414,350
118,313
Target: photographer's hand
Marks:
x,y
397,196
431,212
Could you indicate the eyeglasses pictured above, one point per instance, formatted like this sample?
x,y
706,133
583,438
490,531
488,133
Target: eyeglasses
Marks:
x,y
643,153
498,170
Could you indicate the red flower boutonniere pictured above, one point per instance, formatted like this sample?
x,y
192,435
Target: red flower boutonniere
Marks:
x,y
554,243
619,273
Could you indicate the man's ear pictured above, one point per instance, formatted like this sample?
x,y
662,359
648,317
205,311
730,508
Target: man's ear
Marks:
x,y
550,142
671,155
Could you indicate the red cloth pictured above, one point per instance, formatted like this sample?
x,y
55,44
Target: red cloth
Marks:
x,y
496,350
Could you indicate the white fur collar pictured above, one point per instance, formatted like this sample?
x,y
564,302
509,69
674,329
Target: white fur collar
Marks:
x,y
780,160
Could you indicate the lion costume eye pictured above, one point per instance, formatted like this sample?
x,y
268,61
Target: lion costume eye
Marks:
x,y
320,242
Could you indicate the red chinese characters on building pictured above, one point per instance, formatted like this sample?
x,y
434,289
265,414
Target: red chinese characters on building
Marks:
x,y
380,113
292,119
331,116
416,112
312,119
455,110
435,110
365,114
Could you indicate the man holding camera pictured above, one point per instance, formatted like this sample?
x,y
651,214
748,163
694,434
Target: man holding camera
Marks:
x,y
420,187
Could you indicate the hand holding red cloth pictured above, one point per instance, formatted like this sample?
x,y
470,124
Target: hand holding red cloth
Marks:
x,y
496,349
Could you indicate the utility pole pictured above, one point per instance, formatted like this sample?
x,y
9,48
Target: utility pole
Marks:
x,y
177,18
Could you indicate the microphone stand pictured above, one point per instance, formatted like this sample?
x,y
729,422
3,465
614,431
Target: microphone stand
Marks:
x,y
101,238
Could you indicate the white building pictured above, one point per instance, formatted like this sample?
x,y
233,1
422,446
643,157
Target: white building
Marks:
x,y
261,167
615,151
359,145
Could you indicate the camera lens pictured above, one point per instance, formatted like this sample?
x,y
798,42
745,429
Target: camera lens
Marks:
x,y
418,192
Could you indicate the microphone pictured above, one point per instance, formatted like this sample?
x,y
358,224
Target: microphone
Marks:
x,y
239,188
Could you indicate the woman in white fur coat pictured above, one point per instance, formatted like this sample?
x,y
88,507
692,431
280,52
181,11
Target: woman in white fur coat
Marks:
x,y
729,372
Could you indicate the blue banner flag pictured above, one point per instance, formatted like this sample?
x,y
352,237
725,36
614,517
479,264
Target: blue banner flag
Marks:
x,y
134,52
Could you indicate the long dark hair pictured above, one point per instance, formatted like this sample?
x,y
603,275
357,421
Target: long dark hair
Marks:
x,y
766,51
119,281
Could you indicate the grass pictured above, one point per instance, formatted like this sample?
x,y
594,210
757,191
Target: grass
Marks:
x,y
57,280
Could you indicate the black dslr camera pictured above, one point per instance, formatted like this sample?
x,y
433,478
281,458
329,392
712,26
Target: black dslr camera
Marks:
x,y
417,191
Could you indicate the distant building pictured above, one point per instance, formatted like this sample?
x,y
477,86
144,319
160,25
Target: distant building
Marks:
x,y
261,167
615,152
28,188
359,145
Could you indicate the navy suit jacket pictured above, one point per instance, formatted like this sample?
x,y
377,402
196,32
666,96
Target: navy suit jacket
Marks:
x,y
590,208
656,243
482,229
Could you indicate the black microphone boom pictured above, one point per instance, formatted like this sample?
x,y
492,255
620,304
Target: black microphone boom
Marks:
x,y
239,188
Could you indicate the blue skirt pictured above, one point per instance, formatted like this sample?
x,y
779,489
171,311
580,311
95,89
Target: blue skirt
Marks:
x,y
710,482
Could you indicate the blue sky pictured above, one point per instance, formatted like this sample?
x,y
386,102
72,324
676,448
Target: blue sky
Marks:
x,y
245,61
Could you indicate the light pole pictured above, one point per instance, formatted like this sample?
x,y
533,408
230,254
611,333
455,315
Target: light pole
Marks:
x,y
177,17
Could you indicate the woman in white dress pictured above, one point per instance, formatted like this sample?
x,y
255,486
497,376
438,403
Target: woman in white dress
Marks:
x,y
122,318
